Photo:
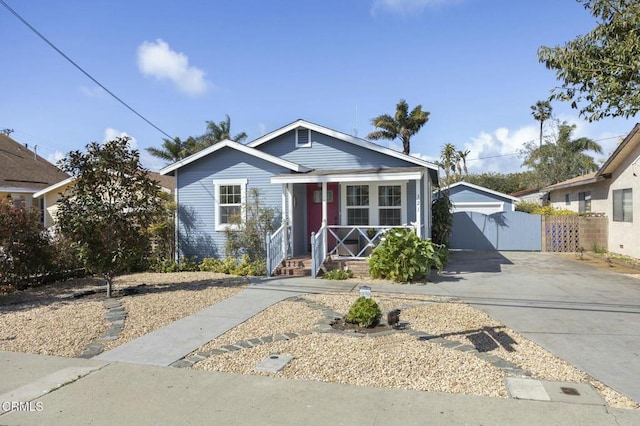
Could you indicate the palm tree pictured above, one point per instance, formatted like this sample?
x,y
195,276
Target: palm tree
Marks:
x,y
174,150
403,125
219,132
541,112
448,162
462,162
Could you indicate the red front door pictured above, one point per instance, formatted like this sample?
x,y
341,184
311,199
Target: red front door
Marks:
x,y
314,208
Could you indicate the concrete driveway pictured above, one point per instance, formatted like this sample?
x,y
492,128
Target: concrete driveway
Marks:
x,y
586,315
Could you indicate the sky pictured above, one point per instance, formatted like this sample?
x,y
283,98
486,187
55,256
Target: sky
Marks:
x,y
337,63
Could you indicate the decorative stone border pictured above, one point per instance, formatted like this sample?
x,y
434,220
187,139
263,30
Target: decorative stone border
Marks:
x,y
115,316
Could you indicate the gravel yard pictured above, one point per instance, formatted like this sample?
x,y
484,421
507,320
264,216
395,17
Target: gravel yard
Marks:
x,y
46,321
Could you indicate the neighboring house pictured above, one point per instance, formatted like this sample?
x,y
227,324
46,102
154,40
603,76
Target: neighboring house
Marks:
x,y
50,195
468,197
531,196
613,190
312,176
23,173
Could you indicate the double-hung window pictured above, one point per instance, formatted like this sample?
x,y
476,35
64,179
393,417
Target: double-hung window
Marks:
x,y
230,196
622,205
390,205
357,205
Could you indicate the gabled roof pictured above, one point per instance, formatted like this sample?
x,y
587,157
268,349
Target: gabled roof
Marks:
x,y
238,147
165,182
630,143
482,189
344,137
22,169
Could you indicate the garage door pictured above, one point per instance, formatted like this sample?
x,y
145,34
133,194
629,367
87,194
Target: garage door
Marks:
x,y
486,207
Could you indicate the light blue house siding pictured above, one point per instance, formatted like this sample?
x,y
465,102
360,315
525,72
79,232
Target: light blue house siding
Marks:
x,y
196,191
327,153
465,194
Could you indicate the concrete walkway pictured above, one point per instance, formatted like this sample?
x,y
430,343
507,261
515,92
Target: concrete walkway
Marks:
x,y
168,344
102,393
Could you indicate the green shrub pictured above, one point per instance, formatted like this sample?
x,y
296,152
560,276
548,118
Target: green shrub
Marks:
x,y
232,266
168,266
535,208
364,312
403,256
597,248
442,219
338,274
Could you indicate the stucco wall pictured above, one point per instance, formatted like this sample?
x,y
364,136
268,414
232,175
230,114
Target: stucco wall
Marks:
x,y
599,197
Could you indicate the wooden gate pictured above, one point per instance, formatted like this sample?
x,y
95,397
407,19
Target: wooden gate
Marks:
x,y
515,231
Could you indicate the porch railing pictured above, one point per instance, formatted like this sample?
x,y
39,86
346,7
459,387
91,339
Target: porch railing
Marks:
x,y
277,245
352,242
318,250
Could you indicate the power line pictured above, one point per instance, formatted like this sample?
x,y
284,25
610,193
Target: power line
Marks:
x,y
2,2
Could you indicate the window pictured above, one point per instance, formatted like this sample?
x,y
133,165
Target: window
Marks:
x,y
567,199
303,138
230,196
390,205
317,196
584,202
622,205
357,205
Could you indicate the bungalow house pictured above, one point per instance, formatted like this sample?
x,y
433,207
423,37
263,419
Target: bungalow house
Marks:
x,y
334,193
50,195
23,173
613,190
468,197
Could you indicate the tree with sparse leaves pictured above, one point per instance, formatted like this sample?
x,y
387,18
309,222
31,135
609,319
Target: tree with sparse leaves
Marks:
x,y
600,71
561,159
109,208
403,125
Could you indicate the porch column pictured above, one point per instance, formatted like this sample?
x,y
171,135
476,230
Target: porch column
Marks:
x,y
418,208
324,218
288,237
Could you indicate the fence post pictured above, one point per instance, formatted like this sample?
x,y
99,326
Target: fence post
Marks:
x,y
313,255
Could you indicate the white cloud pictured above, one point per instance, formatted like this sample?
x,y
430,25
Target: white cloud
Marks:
x,y
262,129
55,157
404,7
498,151
156,59
111,133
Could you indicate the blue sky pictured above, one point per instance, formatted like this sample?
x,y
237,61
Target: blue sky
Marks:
x,y
471,63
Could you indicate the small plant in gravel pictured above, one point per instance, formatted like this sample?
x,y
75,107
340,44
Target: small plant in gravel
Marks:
x,y
338,274
364,312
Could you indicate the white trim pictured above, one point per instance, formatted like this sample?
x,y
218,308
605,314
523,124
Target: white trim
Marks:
x,y
238,147
217,183
344,137
176,224
53,187
374,207
465,206
368,177
303,145
483,189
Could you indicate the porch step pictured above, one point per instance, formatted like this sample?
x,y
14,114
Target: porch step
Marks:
x,y
295,267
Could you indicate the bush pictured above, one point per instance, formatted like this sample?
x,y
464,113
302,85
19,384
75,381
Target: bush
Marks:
x,y
402,256
534,208
442,219
364,312
338,274
25,249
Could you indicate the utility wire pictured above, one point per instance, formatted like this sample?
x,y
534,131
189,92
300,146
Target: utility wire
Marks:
x,y
2,2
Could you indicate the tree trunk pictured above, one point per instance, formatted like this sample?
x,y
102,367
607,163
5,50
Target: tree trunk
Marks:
x,y
109,277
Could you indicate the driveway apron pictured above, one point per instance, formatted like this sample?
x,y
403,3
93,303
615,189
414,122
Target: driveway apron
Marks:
x,y
588,316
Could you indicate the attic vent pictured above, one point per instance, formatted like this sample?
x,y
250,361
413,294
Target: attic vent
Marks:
x,y
303,138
